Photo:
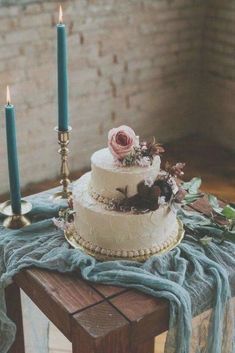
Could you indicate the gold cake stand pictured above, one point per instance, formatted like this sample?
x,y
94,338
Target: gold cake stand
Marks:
x,y
71,239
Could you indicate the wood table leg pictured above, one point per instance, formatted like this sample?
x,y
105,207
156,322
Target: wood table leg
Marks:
x,y
145,347
14,311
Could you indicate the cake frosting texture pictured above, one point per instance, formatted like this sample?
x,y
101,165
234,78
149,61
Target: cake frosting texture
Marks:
x,y
120,233
107,176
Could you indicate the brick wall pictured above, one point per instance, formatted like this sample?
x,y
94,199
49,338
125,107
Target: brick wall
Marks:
x,y
217,107
130,61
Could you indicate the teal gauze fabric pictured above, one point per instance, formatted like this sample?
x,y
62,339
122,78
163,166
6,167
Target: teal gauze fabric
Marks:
x,y
192,277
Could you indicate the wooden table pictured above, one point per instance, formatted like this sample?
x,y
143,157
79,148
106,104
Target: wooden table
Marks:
x,y
95,318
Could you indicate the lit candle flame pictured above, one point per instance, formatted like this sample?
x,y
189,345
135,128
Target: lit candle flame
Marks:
x,y
60,15
8,96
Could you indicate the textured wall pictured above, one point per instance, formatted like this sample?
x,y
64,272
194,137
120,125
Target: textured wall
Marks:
x,y
130,61
217,107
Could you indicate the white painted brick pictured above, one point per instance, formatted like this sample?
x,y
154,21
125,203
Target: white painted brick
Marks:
x,y
9,24
50,6
32,9
135,63
36,20
9,51
9,11
22,36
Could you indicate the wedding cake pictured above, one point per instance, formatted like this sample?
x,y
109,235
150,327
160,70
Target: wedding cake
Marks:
x,y
126,206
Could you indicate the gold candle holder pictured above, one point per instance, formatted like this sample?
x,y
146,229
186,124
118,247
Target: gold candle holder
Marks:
x,y
63,141
15,221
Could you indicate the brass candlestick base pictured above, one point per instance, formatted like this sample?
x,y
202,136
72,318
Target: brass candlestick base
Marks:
x,y
63,140
15,221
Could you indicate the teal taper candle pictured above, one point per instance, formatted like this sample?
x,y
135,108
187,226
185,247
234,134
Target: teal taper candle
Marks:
x,y
62,75
12,156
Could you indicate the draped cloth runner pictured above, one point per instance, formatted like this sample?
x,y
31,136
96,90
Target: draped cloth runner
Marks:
x,y
197,280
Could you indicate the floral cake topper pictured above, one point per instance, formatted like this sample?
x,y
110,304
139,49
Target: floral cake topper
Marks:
x,y
128,150
121,141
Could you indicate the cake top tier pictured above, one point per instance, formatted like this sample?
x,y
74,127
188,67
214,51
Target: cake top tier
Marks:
x,y
127,175
103,159
123,165
107,176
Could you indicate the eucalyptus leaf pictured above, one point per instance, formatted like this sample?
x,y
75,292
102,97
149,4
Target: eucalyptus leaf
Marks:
x,y
189,198
193,185
229,212
213,201
205,240
206,227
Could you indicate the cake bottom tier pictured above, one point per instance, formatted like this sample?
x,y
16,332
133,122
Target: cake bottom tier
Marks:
x,y
118,234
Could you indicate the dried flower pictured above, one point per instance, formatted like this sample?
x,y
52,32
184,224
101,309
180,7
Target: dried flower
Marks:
x,y
59,223
175,170
152,148
161,200
149,182
172,182
129,160
144,162
62,224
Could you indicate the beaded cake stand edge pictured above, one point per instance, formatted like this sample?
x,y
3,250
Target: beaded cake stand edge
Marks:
x,y
71,239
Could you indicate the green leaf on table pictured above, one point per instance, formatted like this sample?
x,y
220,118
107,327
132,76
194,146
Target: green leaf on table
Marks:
x,y
205,240
213,201
229,212
189,198
193,185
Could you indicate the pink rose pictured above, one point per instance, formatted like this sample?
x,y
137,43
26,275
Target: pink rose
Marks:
x,y
121,141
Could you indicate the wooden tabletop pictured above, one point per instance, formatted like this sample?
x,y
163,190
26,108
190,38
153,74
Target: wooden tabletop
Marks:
x,y
95,317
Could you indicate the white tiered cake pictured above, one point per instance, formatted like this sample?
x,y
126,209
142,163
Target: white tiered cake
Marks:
x,y
112,220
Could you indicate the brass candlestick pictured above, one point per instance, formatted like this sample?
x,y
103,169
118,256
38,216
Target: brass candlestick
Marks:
x,y
63,140
16,221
